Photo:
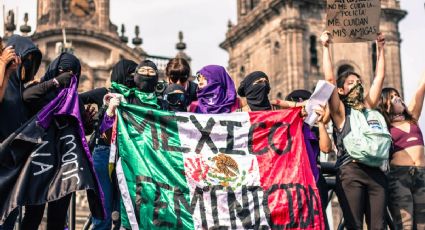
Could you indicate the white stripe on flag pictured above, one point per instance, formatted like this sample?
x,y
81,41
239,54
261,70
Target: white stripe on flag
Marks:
x,y
205,167
125,195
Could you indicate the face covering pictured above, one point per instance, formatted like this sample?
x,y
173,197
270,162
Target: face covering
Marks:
x,y
175,98
354,98
219,95
256,93
65,62
397,106
146,83
27,71
257,97
122,73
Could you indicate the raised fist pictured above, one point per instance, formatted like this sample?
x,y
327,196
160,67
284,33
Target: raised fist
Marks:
x,y
326,38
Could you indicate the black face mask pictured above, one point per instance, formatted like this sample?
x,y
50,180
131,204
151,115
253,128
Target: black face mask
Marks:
x,y
257,96
145,83
27,70
175,102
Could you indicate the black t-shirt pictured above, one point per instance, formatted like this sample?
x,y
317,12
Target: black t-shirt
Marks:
x,y
94,96
342,157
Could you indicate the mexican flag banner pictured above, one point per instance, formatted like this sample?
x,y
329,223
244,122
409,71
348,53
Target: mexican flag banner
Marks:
x,y
223,171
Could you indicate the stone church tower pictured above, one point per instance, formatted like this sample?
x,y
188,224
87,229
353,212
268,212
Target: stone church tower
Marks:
x,y
84,28
89,33
281,38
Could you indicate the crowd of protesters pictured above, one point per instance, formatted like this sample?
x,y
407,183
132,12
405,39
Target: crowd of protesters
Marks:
x,y
364,191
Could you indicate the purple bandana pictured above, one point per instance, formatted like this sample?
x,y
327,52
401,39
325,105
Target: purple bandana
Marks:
x,y
313,149
219,95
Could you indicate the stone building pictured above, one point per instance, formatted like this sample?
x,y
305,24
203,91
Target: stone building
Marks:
x,y
281,38
84,27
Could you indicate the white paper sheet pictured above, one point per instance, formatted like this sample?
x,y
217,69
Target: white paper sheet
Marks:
x,y
320,97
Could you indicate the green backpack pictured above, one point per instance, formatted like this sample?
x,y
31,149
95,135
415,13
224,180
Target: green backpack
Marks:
x,y
368,141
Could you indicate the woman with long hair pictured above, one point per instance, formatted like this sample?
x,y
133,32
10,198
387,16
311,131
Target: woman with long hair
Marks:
x,y
360,187
406,178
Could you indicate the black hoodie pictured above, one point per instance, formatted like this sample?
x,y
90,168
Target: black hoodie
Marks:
x,y
121,74
13,112
38,95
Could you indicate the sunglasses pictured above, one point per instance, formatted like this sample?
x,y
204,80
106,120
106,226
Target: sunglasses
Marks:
x,y
175,98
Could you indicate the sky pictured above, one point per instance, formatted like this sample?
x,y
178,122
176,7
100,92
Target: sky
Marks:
x,y
204,24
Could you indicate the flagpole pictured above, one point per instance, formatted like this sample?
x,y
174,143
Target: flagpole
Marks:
x,y
72,213
20,218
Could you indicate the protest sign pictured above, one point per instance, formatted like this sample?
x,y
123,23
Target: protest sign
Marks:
x,y
353,20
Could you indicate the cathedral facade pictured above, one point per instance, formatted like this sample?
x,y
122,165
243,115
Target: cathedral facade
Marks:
x,y
281,38
84,28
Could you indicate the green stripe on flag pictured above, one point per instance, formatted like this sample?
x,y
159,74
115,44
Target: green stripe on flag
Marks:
x,y
153,167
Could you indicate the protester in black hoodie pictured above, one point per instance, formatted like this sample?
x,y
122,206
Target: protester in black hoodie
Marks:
x,y
13,112
30,61
9,62
57,77
122,73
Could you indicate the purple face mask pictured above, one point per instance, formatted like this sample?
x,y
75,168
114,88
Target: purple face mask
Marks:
x,y
219,95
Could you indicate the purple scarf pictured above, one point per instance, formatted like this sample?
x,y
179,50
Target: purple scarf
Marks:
x,y
313,149
66,103
219,95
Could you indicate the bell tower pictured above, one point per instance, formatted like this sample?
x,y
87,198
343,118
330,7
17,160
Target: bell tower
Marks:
x,y
80,14
84,28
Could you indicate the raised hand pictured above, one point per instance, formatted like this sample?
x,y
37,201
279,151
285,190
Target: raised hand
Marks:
x,y
64,79
326,38
13,66
380,41
320,113
89,113
8,55
114,102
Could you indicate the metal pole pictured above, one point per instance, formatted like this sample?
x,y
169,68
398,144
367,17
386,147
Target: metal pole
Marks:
x,y
88,223
72,213
20,219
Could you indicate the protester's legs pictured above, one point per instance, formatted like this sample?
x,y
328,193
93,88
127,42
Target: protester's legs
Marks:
x,y
419,198
33,216
9,223
116,206
323,191
57,212
400,197
377,199
100,162
351,193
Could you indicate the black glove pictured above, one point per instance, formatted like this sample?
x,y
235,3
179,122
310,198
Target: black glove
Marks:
x,y
64,79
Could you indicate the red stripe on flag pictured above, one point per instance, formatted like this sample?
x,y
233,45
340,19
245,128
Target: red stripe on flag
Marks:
x,y
285,172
